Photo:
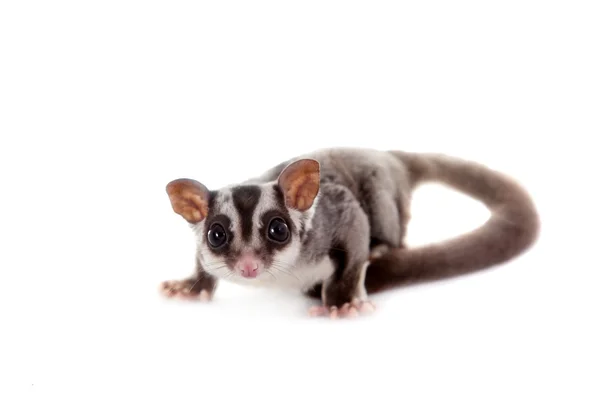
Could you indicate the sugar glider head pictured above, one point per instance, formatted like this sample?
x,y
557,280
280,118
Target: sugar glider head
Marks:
x,y
250,232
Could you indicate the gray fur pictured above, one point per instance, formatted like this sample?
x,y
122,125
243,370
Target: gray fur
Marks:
x,y
362,210
377,180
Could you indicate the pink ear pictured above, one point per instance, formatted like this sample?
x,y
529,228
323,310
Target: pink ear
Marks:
x,y
300,183
189,199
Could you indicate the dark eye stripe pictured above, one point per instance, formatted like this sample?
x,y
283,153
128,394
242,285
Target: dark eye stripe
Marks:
x,y
270,245
278,230
225,222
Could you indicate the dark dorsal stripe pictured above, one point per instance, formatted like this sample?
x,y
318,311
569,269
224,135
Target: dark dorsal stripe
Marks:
x,y
245,198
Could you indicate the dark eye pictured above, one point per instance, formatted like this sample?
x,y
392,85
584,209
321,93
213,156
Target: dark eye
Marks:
x,y
278,230
216,236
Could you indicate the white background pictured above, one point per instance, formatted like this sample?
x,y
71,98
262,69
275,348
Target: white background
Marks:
x,y
103,103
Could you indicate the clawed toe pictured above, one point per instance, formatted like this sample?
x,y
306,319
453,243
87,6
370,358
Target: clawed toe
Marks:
x,y
205,296
182,289
317,311
169,288
347,310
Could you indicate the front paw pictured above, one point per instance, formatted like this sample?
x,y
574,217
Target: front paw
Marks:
x,y
189,289
347,310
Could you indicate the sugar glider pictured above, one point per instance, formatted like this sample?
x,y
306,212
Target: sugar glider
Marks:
x,y
331,224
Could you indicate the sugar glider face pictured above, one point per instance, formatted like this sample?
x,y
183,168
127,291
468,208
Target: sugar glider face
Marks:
x,y
250,232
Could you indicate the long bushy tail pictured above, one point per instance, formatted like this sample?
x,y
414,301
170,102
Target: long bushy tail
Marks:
x,y
512,228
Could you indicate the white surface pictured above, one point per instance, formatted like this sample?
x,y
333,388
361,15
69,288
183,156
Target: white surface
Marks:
x,y
102,104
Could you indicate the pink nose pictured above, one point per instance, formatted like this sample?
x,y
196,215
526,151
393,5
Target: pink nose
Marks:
x,y
249,269
247,265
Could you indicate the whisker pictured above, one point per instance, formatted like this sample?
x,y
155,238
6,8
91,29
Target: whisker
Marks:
x,y
229,275
214,269
283,263
281,269
213,263
195,283
270,273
